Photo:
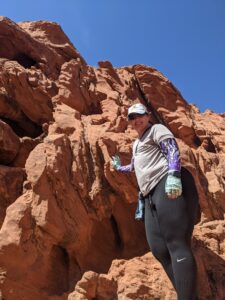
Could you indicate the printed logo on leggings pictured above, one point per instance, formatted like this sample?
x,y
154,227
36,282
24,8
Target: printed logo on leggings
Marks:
x,y
181,259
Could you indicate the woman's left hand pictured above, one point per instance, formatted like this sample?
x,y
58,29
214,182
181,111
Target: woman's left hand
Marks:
x,y
173,186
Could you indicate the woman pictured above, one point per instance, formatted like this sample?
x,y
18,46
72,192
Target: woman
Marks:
x,y
170,197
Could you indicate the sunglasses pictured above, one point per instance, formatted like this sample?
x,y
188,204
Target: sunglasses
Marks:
x,y
135,116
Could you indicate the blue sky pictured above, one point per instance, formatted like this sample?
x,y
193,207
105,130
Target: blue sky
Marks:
x,y
183,39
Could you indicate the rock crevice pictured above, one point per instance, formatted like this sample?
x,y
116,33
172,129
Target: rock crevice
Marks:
x,y
67,218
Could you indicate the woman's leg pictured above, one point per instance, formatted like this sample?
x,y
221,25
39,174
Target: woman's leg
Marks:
x,y
176,229
156,241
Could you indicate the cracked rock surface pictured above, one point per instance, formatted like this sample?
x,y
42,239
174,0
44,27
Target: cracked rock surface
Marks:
x,y
67,218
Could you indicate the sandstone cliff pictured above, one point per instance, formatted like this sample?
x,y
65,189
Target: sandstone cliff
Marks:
x,y
67,219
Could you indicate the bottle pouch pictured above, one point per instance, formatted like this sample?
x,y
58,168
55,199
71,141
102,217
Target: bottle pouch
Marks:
x,y
140,210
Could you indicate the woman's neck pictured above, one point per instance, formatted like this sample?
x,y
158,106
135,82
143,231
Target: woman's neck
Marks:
x,y
142,132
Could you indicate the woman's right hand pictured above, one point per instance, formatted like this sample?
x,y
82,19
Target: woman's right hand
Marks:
x,y
115,162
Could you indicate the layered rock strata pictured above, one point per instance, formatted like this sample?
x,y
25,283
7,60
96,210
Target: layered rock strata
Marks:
x,y
67,218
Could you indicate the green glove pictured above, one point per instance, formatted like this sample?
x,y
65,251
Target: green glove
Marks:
x,y
173,186
116,163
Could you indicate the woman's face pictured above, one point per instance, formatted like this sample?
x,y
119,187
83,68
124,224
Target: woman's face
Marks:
x,y
140,123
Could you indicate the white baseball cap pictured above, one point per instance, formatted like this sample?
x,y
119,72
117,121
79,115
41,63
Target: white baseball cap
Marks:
x,y
137,108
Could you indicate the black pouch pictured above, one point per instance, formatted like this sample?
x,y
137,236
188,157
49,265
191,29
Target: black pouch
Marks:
x,y
140,210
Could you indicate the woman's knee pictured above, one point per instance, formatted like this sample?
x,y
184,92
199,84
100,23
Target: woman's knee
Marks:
x,y
160,253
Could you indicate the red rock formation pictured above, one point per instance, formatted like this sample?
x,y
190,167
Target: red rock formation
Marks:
x,y
138,278
69,214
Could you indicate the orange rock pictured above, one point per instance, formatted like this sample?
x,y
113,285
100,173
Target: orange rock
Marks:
x,y
137,278
11,187
69,228
9,143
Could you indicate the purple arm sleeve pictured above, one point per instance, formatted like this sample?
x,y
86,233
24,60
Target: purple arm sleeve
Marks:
x,y
127,168
170,149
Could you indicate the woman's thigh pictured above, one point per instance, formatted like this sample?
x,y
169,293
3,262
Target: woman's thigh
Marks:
x,y
172,214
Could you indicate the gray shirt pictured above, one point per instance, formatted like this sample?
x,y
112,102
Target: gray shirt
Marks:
x,y
150,164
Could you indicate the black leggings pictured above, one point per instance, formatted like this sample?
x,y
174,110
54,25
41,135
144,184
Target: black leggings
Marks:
x,y
169,225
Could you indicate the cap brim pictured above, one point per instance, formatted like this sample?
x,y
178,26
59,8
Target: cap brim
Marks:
x,y
129,117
